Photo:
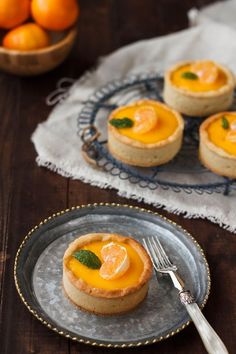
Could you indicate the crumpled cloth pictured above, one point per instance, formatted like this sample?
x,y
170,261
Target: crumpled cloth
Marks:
x,y
59,148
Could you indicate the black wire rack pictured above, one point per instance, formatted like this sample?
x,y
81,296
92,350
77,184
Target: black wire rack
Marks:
x,y
183,173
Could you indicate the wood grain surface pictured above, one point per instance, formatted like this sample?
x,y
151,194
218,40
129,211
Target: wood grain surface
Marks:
x,y
29,194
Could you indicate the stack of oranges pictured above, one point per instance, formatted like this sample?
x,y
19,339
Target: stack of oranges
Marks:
x,y
52,15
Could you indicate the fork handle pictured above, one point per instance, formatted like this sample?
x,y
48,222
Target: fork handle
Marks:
x,y
211,340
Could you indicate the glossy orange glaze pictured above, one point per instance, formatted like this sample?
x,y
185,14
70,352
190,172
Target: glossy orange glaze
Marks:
x,y
165,126
92,276
219,136
200,84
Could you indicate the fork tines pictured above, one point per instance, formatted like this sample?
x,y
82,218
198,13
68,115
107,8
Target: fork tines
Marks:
x,y
158,255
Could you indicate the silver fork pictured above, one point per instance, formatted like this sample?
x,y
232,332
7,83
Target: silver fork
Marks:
x,y
162,264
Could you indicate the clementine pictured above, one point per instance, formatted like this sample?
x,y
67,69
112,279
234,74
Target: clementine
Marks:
x,y
206,70
55,15
116,261
145,119
13,12
26,37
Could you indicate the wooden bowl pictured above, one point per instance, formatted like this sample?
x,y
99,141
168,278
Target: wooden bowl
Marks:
x,y
38,61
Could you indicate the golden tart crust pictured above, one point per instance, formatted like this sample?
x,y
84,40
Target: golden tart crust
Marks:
x,y
138,153
105,301
212,156
198,103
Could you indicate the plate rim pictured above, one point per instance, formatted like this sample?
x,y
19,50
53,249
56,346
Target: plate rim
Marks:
x,y
79,338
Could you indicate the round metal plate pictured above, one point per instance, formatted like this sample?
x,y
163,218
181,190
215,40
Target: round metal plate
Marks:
x,y
38,276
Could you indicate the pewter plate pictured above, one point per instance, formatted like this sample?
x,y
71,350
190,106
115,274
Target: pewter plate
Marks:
x,y
38,276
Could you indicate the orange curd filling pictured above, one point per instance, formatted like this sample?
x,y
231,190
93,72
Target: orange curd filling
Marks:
x,y
151,130
220,136
210,77
92,277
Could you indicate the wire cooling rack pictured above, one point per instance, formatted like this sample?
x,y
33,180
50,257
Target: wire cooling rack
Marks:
x,y
183,173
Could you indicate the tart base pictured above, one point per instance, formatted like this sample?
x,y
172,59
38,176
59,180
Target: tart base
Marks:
x,y
220,165
196,106
135,156
101,306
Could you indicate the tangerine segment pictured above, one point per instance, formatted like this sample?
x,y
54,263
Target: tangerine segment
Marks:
x,y
206,70
26,37
116,261
55,15
13,12
145,119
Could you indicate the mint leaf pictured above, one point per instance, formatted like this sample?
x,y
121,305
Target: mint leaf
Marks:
x,y
189,75
121,122
225,123
88,258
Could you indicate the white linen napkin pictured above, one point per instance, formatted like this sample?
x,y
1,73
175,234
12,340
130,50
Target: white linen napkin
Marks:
x,y
222,12
59,148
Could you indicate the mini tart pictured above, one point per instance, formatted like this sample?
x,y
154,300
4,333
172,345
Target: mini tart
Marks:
x,y
216,152
194,97
88,290
153,148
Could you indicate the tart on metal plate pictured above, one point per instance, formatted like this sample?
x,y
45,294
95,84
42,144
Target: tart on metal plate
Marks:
x,y
106,273
199,88
217,149
145,133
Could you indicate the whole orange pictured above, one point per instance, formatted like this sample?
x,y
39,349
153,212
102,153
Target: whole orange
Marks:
x,y
55,15
13,12
26,37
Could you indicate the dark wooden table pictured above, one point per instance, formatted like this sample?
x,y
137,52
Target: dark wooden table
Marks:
x,y
29,194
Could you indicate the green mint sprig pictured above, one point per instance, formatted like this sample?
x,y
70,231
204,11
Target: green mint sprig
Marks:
x,y
224,123
121,122
189,75
88,258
